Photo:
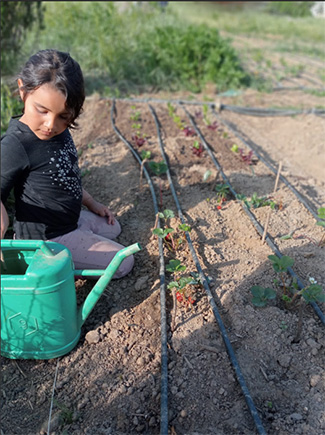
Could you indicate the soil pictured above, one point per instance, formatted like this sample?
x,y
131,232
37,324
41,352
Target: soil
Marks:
x,y
110,383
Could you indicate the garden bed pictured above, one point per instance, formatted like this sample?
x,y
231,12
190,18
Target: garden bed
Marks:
x,y
111,382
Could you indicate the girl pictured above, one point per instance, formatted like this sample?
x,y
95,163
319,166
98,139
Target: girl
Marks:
x,y
39,160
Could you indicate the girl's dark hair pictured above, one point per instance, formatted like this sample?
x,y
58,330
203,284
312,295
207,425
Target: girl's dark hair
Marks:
x,y
63,72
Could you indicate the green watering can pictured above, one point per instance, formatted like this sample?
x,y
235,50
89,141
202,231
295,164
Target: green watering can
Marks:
x,y
39,314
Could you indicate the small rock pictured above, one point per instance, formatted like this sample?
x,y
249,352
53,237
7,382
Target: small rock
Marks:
x,y
296,416
314,380
183,413
312,343
141,361
141,282
55,423
92,337
284,360
152,422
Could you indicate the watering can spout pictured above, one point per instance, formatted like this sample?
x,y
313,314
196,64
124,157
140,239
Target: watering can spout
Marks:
x,y
101,284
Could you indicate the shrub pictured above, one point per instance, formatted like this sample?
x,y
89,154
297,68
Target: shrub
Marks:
x,y
10,106
139,48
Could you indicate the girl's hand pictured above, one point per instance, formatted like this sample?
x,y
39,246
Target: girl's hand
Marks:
x,y
102,210
97,207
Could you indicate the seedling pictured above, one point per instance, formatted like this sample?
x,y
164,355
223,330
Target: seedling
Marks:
x,y
172,113
135,114
262,295
158,168
213,126
246,158
197,148
188,131
205,114
175,266
222,192
307,295
145,156
178,286
281,265
172,241
136,126
166,214
139,139
257,202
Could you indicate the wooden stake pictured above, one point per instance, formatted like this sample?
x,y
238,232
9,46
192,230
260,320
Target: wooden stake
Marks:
x,y
270,211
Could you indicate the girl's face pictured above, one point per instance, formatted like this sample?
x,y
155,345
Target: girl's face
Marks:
x,y
45,111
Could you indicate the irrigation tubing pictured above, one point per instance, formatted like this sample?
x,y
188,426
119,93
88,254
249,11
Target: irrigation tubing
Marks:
x,y
231,127
251,111
252,217
163,315
231,353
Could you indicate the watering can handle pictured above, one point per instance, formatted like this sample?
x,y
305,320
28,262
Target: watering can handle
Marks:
x,y
101,284
28,244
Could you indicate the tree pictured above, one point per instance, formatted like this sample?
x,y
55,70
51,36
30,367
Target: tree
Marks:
x,y
16,19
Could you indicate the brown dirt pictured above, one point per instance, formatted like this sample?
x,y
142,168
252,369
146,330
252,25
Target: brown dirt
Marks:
x,y
110,382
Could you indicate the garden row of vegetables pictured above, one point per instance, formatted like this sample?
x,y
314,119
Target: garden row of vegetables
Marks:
x,y
289,288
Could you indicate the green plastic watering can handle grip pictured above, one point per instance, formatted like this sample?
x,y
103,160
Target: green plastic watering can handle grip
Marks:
x,y
101,284
27,244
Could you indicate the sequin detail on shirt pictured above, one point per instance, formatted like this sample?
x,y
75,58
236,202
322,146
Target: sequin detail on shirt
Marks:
x,y
66,172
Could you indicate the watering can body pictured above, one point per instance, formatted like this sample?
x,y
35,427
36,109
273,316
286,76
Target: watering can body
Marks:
x,y
39,314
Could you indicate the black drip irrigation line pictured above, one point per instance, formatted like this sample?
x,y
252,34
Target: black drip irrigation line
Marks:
x,y
252,217
251,111
254,111
231,353
232,128
163,315
296,88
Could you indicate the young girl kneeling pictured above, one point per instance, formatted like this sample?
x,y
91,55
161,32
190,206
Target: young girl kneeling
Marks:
x,y
39,161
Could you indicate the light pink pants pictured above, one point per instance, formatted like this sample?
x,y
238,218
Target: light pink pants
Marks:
x,y
91,246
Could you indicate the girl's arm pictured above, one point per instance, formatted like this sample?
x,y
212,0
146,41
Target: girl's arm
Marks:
x,y
97,207
4,220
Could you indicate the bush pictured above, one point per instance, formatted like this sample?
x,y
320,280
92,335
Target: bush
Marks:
x,y
139,48
293,9
16,19
10,106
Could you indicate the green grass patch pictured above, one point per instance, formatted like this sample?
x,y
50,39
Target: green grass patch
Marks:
x,y
253,21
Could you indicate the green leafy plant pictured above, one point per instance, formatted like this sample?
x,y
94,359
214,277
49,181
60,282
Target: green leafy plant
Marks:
x,y
281,265
222,192
172,113
135,114
175,266
257,202
262,295
172,241
159,168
